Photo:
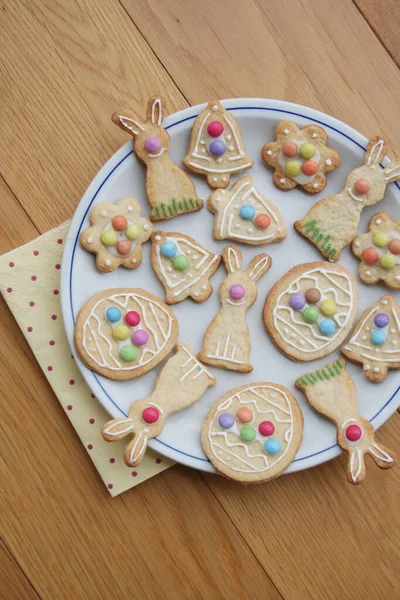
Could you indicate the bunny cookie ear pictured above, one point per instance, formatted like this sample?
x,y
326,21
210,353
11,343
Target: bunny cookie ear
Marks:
x,y
375,152
392,171
128,121
156,110
232,258
116,429
259,266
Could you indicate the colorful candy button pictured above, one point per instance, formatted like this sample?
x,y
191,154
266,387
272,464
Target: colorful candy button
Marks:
x,y
266,428
132,232
380,239
237,291
394,247
247,211
327,326
272,446
152,144
311,314
180,263
140,337
217,147
215,129
362,186
387,260
353,433
310,167
168,249
292,168
289,149
150,414
124,247
121,332
263,221
370,256
378,336
313,295
113,314
248,433
128,353
119,223
244,414
109,237
132,318
297,301
381,320
328,307
226,420
307,150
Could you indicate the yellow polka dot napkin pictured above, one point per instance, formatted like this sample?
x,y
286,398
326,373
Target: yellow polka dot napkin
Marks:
x,y
29,282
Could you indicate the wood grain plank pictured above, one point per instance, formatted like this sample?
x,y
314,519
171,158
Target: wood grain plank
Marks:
x,y
324,57
384,20
13,583
16,228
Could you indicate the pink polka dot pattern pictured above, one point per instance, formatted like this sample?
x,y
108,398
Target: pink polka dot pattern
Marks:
x,y
51,343
59,241
11,264
91,421
33,277
9,290
58,266
31,303
112,460
56,292
54,317
90,446
30,329
69,407
110,486
134,473
158,460
36,253
50,368
71,382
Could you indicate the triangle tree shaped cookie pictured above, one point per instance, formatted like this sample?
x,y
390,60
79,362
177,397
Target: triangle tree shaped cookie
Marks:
x,y
216,147
245,215
375,343
183,266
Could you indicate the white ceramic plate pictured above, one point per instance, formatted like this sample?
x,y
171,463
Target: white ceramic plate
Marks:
x,y
123,175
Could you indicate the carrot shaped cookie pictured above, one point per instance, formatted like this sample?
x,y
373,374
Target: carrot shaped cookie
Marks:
x,y
331,392
332,223
227,342
180,383
169,189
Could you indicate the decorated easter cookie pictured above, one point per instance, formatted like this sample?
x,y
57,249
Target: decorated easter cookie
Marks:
x,y
180,383
379,251
116,234
330,390
169,190
331,224
245,215
300,157
183,266
216,147
252,433
310,311
375,342
123,333
227,342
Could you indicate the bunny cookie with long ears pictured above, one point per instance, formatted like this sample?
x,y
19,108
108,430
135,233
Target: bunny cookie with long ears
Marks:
x,y
227,342
169,190
332,223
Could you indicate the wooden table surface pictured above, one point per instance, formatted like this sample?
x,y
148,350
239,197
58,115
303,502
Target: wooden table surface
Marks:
x,y
66,65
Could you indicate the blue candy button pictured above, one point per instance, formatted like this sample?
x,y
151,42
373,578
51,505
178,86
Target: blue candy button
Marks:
x,y
168,249
247,211
272,446
327,326
378,336
113,314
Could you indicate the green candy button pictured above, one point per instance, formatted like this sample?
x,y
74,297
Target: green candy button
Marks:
x,y
180,262
292,168
311,314
248,433
128,353
132,232
307,150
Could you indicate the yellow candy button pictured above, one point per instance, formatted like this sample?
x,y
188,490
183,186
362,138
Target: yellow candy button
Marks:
x,y
292,168
328,307
387,260
121,332
133,232
307,150
109,237
380,239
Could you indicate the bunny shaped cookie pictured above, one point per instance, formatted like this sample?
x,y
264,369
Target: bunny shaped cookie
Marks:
x,y
332,223
227,342
169,190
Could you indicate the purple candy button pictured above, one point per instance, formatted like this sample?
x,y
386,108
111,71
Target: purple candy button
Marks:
x,y
152,143
217,148
140,337
226,420
381,320
297,301
237,291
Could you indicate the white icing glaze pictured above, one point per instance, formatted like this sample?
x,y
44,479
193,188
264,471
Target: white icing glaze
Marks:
x,y
224,355
196,366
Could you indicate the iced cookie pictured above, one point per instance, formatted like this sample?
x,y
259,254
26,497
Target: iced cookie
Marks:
x,y
123,333
180,383
116,234
331,392
169,189
310,311
216,147
375,342
332,223
244,214
300,157
183,266
252,433
226,343
379,252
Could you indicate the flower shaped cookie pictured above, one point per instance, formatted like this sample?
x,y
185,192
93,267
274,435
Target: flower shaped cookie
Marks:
x,y
300,157
116,234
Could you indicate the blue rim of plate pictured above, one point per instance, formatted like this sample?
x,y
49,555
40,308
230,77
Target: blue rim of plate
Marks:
x,y
270,109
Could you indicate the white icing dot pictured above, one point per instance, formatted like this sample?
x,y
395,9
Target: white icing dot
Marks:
x,y
283,180
315,185
314,135
231,148
286,330
279,229
219,160
376,369
217,199
250,230
236,206
286,131
366,367
157,238
397,278
130,208
108,263
363,337
161,317
169,269
392,330
357,244
215,108
195,256
394,342
203,150
238,226
224,179
368,329
103,214
134,261
328,161
174,276
301,342
228,137
146,227
203,287
293,336
89,240
269,152
368,273
90,339
190,275
384,302
202,142
215,179
272,395
196,294
146,429
378,221
377,350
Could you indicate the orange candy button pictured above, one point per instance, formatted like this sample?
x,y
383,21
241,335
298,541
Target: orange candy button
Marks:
x,y
244,415
289,149
124,247
119,223
393,247
370,256
263,221
310,167
362,186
